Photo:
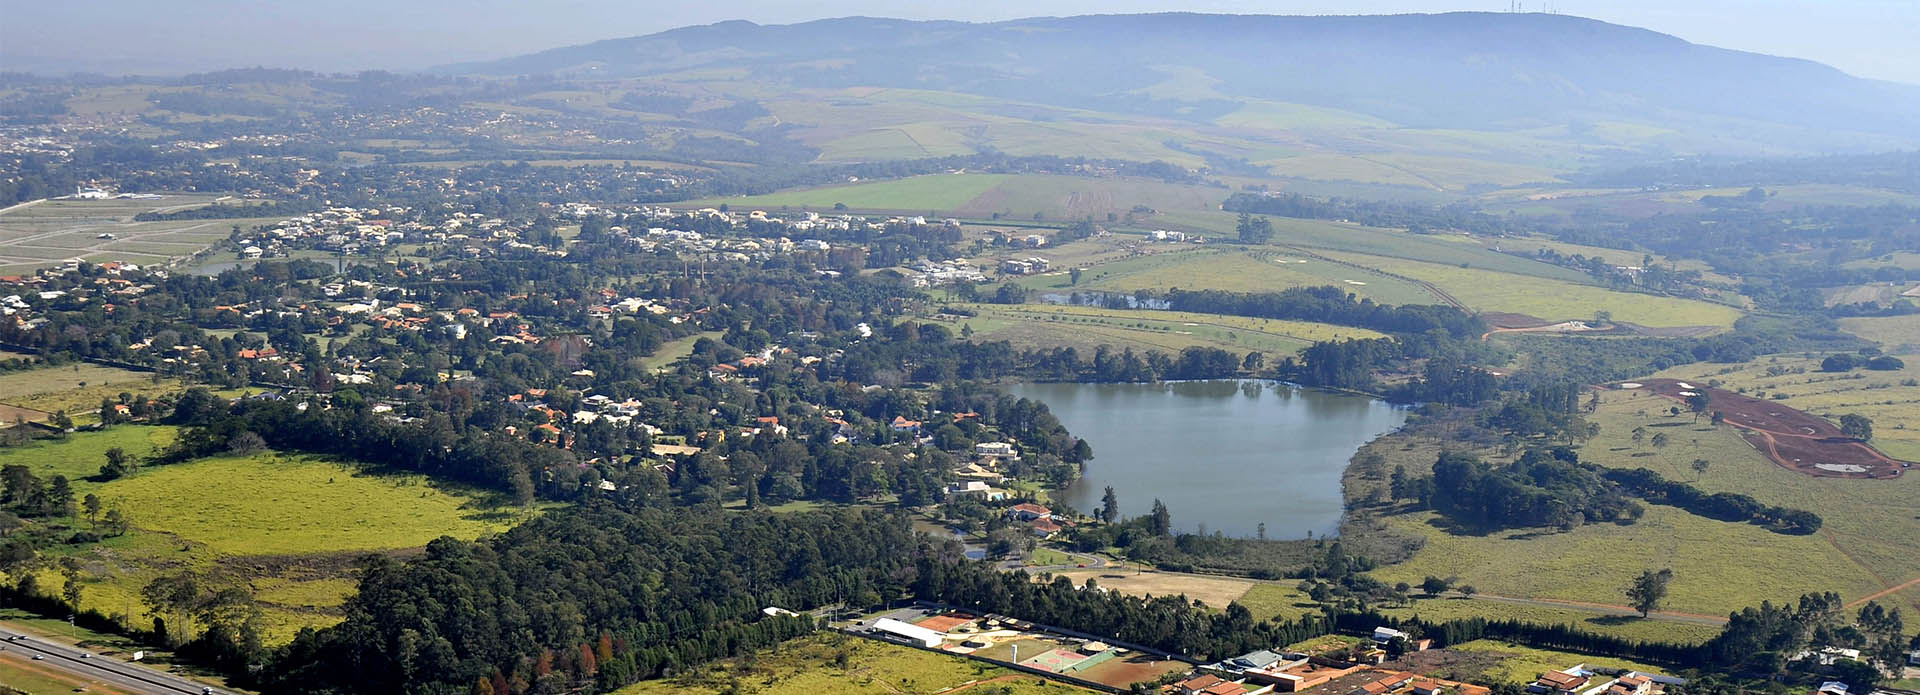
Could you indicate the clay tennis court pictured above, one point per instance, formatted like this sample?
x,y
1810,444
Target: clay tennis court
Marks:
x,y
944,623
1791,438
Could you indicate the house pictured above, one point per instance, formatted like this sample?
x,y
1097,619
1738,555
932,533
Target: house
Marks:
x,y
1831,688
1386,683
1630,685
1198,684
1557,683
1383,635
902,424
1044,528
1427,687
1028,511
1914,658
996,450
974,488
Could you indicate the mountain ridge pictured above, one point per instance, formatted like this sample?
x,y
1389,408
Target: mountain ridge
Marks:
x,y
1464,69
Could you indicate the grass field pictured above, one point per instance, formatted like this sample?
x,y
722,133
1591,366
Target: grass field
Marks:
x,y
1520,664
1899,335
1630,628
675,350
1216,592
933,193
1870,540
1321,235
1235,270
1085,328
36,678
1488,290
79,387
287,526
809,666
1277,601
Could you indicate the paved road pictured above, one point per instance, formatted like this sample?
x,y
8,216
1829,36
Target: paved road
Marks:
x,y
123,674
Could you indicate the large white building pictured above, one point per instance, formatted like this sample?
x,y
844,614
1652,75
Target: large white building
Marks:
x,y
909,633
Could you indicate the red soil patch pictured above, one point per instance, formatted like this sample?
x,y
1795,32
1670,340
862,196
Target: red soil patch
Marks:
x,y
1137,667
1791,438
943,623
1501,319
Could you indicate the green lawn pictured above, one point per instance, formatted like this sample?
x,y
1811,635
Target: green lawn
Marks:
x,y
1277,601
675,350
808,666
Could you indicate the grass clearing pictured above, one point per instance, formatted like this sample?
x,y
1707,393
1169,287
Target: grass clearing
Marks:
x,y
289,527
675,350
1277,601
809,666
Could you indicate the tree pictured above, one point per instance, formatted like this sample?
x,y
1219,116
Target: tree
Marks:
x,y
1110,506
119,464
60,497
1700,467
1467,590
91,504
1639,435
1660,440
1648,590
1253,230
1698,403
1073,275
1433,585
1856,426
246,443
116,523
1162,520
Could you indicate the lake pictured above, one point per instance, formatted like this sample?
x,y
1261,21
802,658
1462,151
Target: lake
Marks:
x,y
1230,454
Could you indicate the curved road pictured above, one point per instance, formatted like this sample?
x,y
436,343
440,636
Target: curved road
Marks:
x,y
67,658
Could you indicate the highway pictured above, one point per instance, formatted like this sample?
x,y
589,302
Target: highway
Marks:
x,y
125,675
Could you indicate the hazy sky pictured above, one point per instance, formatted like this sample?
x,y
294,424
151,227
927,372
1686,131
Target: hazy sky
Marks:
x,y
1869,38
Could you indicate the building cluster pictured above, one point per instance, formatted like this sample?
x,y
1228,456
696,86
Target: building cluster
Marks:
x,y
1582,680
1025,266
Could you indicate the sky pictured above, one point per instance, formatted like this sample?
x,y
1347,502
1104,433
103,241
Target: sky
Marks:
x,y
1868,38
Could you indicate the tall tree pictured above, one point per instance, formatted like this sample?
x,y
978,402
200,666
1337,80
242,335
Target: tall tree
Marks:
x,y
1856,426
1648,590
1110,506
1162,520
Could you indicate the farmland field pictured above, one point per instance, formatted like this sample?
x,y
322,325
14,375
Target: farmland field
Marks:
x,y
1216,592
806,666
1486,290
1374,241
1718,566
1882,396
46,233
1899,335
1014,197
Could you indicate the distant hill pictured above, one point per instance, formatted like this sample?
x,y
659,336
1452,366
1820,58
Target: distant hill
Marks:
x,y
1461,70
